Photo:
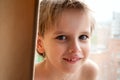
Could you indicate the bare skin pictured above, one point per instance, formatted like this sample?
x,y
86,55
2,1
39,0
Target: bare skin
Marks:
x,y
67,48
88,71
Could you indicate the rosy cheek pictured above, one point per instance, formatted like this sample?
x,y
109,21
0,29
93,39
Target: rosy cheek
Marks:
x,y
87,50
89,47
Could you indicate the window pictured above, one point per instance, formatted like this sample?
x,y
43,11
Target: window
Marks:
x,y
106,38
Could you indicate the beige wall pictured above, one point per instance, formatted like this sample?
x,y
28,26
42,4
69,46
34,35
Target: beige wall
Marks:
x,y
16,39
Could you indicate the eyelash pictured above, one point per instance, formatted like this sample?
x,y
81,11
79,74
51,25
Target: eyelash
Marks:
x,y
83,37
63,37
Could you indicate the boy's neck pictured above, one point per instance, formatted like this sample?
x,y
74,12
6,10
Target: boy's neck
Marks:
x,y
54,74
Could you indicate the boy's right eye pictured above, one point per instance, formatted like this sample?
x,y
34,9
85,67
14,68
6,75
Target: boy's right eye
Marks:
x,y
61,37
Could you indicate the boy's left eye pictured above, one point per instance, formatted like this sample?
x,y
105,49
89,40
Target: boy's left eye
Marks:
x,y
83,37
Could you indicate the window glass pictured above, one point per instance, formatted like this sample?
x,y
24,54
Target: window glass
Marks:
x,y
106,38
105,48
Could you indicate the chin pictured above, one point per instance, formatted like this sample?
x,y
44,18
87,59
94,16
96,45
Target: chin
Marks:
x,y
71,70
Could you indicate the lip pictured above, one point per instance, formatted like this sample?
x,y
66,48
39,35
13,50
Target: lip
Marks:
x,y
71,60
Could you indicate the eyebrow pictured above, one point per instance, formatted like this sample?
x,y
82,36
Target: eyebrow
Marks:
x,y
61,32
86,32
58,32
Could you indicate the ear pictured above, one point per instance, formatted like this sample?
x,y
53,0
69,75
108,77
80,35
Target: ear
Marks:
x,y
40,48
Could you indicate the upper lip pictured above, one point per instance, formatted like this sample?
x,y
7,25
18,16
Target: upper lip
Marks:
x,y
72,59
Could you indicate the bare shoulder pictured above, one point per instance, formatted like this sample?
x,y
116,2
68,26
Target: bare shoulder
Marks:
x,y
38,71
90,70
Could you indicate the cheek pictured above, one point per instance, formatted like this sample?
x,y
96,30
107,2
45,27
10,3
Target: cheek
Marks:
x,y
54,50
87,49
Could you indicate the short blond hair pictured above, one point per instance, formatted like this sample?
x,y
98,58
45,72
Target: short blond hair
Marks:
x,y
50,10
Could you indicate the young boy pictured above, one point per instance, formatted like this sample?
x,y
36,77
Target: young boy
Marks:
x,y
65,30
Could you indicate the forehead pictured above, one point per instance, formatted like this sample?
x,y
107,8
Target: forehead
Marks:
x,y
72,20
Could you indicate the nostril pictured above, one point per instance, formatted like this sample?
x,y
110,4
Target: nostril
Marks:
x,y
74,50
70,50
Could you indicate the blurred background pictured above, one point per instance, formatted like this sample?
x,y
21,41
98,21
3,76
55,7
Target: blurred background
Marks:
x,y
105,48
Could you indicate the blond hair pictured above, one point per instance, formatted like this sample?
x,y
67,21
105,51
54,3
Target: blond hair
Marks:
x,y
50,10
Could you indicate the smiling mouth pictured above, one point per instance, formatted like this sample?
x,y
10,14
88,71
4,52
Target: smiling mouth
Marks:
x,y
71,60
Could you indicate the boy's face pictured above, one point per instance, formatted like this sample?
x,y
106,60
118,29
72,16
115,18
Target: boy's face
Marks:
x,y
67,46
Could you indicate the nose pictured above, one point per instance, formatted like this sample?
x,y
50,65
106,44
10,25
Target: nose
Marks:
x,y
75,47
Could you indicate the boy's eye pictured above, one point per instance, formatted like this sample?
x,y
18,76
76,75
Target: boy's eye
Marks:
x,y
83,37
61,37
